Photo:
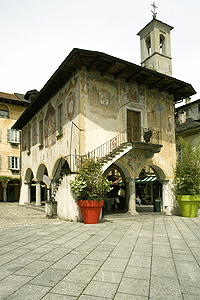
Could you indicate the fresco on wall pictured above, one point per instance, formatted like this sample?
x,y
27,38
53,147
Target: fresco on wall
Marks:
x,y
158,105
83,83
24,140
70,104
102,97
50,127
132,93
34,132
70,98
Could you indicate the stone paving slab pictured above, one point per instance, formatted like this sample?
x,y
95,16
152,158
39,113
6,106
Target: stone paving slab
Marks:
x,y
123,257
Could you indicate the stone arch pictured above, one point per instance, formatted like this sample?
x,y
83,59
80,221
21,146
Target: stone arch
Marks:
x,y
160,186
41,171
157,169
61,166
121,188
29,175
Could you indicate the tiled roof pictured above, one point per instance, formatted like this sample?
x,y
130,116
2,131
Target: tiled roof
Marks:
x,y
188,125
8,96
15,98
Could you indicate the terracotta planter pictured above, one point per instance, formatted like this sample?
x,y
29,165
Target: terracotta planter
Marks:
x,y
189,205
90,210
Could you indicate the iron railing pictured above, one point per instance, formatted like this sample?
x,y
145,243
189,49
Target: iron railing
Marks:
x,y
131,134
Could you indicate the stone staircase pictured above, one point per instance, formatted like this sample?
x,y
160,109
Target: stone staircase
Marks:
x,y
113,155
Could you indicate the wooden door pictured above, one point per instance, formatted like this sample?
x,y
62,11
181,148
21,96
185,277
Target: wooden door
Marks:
x,y
133,125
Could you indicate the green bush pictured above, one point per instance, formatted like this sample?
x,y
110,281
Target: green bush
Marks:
x,y
90,183
187,171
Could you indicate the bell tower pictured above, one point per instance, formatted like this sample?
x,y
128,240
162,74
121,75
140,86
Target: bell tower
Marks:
x,y
155,46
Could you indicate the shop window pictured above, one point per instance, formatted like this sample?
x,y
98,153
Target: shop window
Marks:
x,y
13,136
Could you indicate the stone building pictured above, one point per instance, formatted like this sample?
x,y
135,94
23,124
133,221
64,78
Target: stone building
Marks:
x,y
98,105
11,107
187,119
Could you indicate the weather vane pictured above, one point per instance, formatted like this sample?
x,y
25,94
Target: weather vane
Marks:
x,y
154,10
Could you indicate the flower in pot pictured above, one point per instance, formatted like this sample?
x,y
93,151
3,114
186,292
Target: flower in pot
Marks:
x,y
187,179
90,187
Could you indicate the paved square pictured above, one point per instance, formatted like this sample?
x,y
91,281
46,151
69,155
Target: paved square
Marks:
x,y
123,257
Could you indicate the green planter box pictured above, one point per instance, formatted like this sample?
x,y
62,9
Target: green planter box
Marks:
x,y
189,205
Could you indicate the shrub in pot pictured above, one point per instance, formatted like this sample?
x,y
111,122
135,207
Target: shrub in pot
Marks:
x,y
90,187
187,178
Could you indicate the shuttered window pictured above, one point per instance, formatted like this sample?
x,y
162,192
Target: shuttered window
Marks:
x,y
13,163
13,136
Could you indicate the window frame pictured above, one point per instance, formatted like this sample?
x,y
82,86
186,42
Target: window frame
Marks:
x,y
13,136
14,163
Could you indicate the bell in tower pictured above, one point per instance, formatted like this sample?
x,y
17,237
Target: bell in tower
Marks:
x,y
155,46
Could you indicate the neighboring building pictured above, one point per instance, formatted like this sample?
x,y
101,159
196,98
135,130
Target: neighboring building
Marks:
x,y
187,119
11,107
98,105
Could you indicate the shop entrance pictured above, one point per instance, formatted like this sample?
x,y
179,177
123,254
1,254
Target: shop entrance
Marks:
x,y
148,191
115,201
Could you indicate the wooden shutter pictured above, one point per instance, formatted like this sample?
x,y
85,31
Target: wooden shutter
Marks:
x,y
8,135
9,162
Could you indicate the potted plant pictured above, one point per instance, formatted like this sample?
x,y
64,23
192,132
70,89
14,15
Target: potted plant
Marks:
x,y
187,179
89,188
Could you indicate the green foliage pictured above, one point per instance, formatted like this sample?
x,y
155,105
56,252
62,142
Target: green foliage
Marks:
x,y
7,178
187,171
90,183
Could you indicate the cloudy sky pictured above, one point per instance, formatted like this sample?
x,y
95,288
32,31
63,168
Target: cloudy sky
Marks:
x,y
37,35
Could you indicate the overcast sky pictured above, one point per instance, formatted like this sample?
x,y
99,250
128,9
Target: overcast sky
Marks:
x,y
37,35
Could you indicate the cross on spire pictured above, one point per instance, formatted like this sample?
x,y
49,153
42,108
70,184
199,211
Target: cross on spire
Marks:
x,y
154,10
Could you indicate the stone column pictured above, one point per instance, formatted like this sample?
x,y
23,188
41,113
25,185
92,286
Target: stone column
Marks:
x,y
4,185
48,193
27,186
38,193
131,196
165,194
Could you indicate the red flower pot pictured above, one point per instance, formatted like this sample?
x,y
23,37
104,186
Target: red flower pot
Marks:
x,y
90,210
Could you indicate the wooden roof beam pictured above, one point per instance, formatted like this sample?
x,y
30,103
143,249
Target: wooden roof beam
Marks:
x,y
117,75
95,61
105,70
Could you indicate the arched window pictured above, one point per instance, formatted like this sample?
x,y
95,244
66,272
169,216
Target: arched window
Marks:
x,y
148,43
162,39
4,112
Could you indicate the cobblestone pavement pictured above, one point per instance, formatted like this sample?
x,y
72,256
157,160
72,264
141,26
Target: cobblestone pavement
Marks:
x,y
122,258
12,214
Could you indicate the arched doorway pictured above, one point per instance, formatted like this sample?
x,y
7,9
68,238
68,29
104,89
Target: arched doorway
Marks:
x,y
42,185
13,190
115,201
149,190
30,186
